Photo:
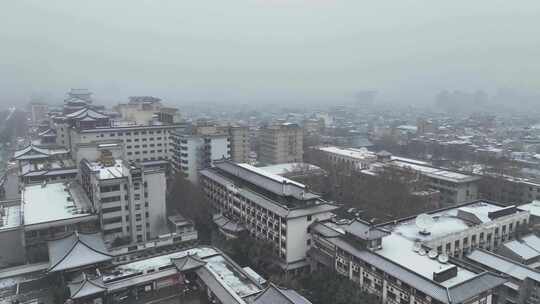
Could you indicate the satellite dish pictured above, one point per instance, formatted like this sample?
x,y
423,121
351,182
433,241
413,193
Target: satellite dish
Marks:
x,y
433,254
424,221
416,247
443,258
422,252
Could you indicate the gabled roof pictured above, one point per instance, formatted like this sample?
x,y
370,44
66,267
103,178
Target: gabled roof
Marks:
x,y
34,152
504,265
227,224
85,286
48,132
77,250
527,247
188,262
84,113
276,295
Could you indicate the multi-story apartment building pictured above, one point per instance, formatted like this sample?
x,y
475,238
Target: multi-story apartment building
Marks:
x,y
141,143
412,260
196,151
269,207
129,199
281,143
239,140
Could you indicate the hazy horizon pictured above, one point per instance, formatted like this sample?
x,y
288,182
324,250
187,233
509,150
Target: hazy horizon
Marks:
x,y
250,51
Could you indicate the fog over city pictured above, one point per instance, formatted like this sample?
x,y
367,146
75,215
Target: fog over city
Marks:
x,y
266,51
270,152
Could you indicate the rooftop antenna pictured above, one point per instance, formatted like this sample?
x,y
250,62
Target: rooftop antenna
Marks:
x,y
424,221
443,258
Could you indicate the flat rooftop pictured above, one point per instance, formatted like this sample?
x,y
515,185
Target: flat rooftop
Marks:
x,y
360,154
533,208
437,173
116,170
400,250
445,222
44,203
282,169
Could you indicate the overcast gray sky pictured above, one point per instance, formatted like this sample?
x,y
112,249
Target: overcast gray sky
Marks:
x,y
261,50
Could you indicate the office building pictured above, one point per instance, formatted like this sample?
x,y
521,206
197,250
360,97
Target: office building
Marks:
x,y
266,206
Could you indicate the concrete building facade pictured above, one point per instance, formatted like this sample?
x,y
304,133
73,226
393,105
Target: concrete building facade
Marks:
x,y
130,200
266,206
281,143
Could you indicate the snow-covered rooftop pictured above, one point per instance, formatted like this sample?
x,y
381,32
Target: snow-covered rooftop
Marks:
x,y
282,169
527,247
116,170
438,173
45,203
269,175
400,250
360,154
445,222
231,276
157,262
228,274
533,208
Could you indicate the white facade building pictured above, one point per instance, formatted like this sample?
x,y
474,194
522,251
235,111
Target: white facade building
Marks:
x,y
130,200
412,260
192,153
269,207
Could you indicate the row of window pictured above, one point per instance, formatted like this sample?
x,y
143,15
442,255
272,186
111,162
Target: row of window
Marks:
x,y
104,189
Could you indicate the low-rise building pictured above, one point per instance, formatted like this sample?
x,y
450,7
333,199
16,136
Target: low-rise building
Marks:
x,y
193,274
53,210
391,262
44,164
523,286
454,187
